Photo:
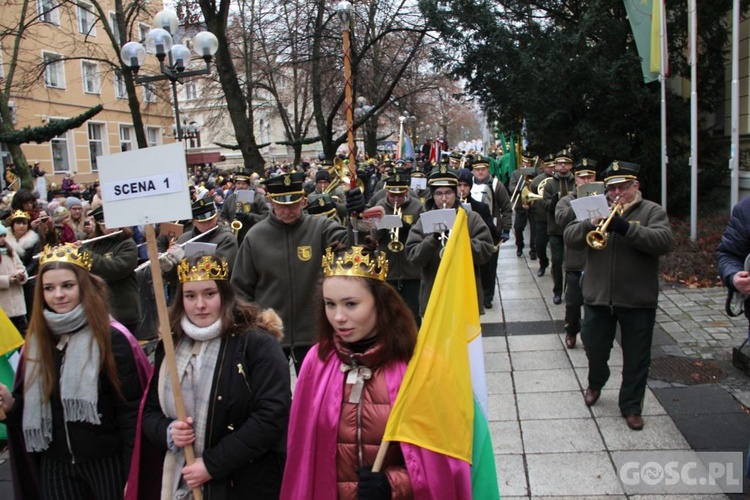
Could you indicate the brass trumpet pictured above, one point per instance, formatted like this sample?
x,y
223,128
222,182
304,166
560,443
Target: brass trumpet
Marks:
x,y
236,226
394,245
599,237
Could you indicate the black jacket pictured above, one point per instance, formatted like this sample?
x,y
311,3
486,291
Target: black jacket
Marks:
x,y
245,447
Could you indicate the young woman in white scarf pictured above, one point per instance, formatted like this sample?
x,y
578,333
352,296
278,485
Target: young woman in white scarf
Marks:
x,y
77,391
235,384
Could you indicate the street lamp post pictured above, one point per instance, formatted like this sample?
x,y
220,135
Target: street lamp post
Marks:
x,y
344,11
159,42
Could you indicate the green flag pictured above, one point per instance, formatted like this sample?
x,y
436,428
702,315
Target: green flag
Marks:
x,y
640,15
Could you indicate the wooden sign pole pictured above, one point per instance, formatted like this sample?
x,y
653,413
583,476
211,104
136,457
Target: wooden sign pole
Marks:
x,y
166,338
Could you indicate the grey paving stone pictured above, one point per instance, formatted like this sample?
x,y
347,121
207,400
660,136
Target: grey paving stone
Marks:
x,y
539,360
511,475
659,433
502,407
545,381
615,377
572,474
493,343
534,327
545,405
534,343
566,435
525,310
496,362
506,437
608,406
499,383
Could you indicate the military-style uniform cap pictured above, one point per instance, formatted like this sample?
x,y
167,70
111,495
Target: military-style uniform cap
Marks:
x,y
398,181
481,162
442,176
621,171
98,214
455,155
321,204
585,166
564,156
549,160
243,175
527,155
204,209
286,189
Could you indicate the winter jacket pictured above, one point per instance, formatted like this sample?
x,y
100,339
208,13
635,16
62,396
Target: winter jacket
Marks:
x,y
245,446
735,243
573,260
258,212
540,211
554,191
75,442
423,251
26,248
222,237
278,265
399,267
625,273
494,194
11,294
114,260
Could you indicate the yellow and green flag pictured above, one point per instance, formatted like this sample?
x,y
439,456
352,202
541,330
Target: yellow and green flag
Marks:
x,y
435,406
648,29
10,339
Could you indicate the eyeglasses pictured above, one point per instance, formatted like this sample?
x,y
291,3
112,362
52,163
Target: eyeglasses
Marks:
x,y
619,187
443,194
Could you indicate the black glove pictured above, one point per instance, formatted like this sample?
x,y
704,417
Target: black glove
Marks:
x,y
504,237
355,201
438,235
372,485
619,225
242,217
553,202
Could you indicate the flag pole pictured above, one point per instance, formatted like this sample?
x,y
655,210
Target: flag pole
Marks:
x,y
380,457
663,83
693,29
734,160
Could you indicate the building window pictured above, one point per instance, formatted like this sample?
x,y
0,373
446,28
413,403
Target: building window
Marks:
x,y
49,11
126,137
91,82
86,19
114,26
96,143
153,136
143,30
121,91
54,70
148,93
191,91
60,153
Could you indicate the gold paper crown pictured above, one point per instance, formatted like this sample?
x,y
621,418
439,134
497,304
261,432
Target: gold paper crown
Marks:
x,y
355,263
207,268
20,214
66,253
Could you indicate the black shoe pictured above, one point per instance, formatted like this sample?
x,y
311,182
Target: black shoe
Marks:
x,y
532,255
487,304
557,299
519,252
540,272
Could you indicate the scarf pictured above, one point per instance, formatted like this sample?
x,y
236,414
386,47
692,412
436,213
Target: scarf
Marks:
x,y
195,357
79,378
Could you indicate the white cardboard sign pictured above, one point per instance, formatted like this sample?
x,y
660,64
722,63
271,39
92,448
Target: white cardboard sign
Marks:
x,y
145,186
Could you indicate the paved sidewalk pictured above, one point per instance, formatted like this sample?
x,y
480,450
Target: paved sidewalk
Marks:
x,y
547,442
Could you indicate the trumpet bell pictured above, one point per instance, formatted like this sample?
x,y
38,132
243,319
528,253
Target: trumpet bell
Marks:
x,y
395,246
597,239
236,226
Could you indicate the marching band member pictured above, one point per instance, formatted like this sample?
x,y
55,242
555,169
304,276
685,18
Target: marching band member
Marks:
x,y
403,276
621,286
560,185
523,213
574,260
540,214
248,214
423,249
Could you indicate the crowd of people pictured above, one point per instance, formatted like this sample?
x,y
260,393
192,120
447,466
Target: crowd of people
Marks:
x,y
304,292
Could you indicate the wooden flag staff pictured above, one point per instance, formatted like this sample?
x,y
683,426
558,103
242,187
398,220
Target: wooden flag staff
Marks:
x,y
166,338
380,456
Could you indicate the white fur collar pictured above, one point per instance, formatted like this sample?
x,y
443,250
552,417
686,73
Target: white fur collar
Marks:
x,y
26,242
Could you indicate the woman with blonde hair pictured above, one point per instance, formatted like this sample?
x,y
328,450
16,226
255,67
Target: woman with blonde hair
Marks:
x,y
77,391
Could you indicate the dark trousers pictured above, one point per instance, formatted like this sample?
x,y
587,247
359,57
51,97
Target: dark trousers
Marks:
x,y
409,291
557,249
541,238
519,225
99,479
488,275
573,302
598,335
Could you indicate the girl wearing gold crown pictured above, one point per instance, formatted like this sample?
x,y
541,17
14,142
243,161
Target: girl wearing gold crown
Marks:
x,y
25,243
74,406
12,278
235,383
346,389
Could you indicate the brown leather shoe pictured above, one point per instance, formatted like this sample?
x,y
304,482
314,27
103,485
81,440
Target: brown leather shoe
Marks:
x,y
634,421
591,396
570,340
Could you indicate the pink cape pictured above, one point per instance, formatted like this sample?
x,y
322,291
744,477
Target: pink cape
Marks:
x,y
310,471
